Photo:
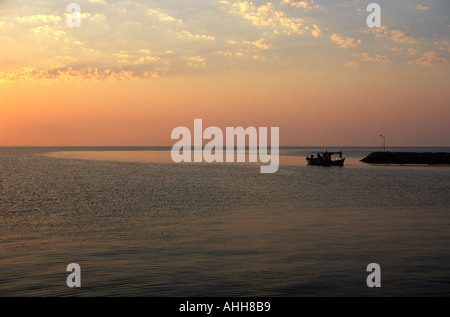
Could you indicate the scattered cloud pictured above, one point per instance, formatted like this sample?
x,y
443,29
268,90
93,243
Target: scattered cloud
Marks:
x,y
49,31
305,5
394,35
344,42
147,58
163,16
93,17
402,50
256,28
315,31
125,57
351,64
66,74
198,36
431,58
443,46
380,59
422,7
412,51
196,61
39,18
260,43
267,15
122,54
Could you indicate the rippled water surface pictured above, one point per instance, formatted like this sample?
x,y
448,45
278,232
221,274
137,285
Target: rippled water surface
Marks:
x,y
140,225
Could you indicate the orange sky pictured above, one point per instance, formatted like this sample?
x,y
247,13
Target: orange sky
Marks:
x,y
344,85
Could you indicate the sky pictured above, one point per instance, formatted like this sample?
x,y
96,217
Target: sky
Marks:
x,y
135,70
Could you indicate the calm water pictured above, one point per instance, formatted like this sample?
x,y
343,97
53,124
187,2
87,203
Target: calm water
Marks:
x,y
139,225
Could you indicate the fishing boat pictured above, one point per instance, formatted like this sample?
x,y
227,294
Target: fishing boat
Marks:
x,y
326,159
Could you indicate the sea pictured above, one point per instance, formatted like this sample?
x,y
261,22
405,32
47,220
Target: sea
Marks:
x,y
138,224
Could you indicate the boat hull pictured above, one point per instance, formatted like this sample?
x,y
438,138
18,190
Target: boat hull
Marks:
x,y
323,162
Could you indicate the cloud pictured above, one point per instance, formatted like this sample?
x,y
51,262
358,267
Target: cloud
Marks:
x,y
421,7
198,36
260,43
411,51
344,42
144,59
351,64
315,31
241,53
394,35
196,61
431,58
66,75
48,31
122,54
163,17
443,46
306,5
40,18
266,15
93,17
380,59
248,49
401,50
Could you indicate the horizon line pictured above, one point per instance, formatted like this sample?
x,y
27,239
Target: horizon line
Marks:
x,y
170,146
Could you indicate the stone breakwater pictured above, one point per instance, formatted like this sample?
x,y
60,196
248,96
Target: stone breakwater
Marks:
x,y
407,158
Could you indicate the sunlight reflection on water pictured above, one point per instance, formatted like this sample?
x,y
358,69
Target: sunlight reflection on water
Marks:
x,y
141,225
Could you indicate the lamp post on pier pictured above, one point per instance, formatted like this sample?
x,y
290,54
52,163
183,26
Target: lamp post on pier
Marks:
x,y
384,142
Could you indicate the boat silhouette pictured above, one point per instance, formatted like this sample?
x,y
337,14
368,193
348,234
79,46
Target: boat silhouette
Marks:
x,y
326,159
